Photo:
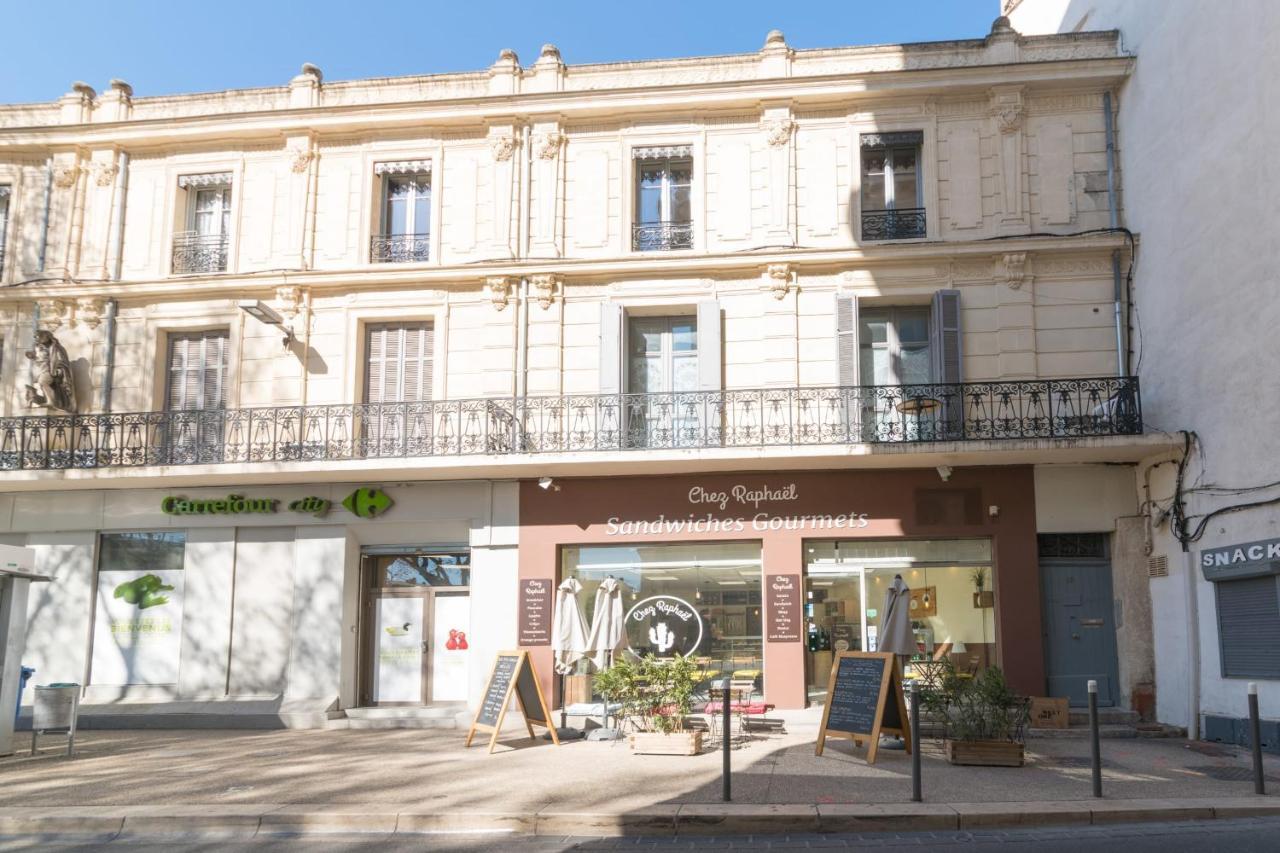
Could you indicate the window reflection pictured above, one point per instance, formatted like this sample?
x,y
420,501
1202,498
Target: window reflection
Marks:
x,y
447,569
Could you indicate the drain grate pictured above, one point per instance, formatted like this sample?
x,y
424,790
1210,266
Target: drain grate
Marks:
x,y
1223,773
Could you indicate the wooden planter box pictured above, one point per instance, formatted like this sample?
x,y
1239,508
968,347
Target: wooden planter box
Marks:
x,y
657,743
985,753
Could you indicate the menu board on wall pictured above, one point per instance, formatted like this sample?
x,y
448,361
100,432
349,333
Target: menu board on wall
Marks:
x,y
137,630
784,601
535,612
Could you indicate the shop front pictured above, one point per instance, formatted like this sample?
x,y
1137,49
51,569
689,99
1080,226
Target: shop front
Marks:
x,y
764,577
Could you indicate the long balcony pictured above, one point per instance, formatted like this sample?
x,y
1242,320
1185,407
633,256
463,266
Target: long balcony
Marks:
x,y
633,423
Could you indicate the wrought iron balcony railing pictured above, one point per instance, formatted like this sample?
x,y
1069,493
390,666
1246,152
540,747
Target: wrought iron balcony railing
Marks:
x,y
194,252
973,411
399,248
900,224
662,236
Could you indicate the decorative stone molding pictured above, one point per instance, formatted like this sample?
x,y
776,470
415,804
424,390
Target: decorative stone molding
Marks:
x,y
90,310
1012,270
503,146
778,133
547,145
107,173
778,279
301,159
545,288
289,299
967,269
54,312
499,287
1008,109
65,176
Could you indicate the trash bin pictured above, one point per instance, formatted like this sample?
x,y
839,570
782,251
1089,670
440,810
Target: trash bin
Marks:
x,y
56,709
27,672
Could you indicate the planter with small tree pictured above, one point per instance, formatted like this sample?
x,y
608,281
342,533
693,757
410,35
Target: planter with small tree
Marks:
x,y
656,695
984,720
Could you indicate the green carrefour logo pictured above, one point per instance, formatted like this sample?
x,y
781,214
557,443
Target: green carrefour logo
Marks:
x,y
367,503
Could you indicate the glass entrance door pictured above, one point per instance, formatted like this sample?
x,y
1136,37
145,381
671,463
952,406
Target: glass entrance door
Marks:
x,y
416,613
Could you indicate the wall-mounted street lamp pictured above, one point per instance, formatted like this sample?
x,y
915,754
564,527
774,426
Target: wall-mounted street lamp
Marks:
x,y
264,313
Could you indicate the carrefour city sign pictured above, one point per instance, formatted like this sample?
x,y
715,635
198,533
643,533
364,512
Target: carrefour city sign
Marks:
x,y
364,502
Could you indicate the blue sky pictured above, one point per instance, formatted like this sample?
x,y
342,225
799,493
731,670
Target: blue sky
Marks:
x,y
166,47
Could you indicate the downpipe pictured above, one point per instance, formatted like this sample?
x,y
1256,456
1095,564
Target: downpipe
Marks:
x,y
109,342
1122,351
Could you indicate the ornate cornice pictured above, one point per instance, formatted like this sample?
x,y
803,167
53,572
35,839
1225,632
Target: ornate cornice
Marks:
x,y
547,145
778,133
499,288
502,146
545,289
1012,270
65,176
778,279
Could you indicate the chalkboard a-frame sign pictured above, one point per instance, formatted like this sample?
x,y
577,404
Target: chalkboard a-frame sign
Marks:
x,y
512,674
864,701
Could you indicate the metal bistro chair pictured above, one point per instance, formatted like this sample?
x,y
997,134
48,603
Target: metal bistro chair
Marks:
x,y
742,705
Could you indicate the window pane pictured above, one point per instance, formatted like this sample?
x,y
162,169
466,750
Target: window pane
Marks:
x,y
873,196
422,211
680,206
684,335
685,373
875,328
881,367
425,570
905,183
913,327
915,364
650,202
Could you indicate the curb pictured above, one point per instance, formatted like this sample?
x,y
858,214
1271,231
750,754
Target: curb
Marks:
x,y
231,822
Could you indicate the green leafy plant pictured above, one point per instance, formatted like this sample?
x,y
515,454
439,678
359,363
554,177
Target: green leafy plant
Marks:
x,y
979,708
656,694
979,578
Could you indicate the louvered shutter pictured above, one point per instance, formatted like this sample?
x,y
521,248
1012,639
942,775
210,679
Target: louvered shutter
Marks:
x,y
1249,627
398,362
197,371
846,340
610,348
709,348
944,333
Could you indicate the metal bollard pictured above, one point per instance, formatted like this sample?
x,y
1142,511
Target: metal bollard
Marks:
x,y
1095,746
916,795
725,742
1255,735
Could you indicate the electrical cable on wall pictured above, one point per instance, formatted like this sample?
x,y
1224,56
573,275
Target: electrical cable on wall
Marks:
x,y
1190,528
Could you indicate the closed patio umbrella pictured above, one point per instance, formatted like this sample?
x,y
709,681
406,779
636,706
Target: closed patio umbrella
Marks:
x,y
569,636
895,620
607,634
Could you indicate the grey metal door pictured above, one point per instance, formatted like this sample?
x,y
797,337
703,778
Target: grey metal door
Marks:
x,y
1079,629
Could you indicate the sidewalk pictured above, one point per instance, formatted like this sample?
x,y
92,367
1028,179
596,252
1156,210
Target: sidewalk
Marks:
x,y
238,782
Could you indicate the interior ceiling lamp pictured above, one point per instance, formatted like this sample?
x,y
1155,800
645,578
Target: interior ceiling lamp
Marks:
x,y
264,313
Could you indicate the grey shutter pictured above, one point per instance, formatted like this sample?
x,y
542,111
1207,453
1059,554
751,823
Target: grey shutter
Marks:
x,y
197,371
1249,627
398,362
847,340
944,334
610,348
709,349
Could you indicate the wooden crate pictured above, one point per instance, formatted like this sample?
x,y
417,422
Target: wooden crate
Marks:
x,y
985,753
577,688
657,743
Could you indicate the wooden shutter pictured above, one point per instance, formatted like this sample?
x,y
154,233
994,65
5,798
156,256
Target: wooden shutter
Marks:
x,y
197,371
610,348
944,334
847,340
709,349
1249,627
398,362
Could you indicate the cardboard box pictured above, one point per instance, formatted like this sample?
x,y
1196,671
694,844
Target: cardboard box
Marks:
x,y
1048,712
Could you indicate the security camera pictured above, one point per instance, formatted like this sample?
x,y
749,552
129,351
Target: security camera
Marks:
x,y
546,483
944,472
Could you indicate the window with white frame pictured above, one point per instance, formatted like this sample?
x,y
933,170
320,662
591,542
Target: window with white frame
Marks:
x,y
201,246
404,231
662,354
895,346
663,212
196,375
398,362
892,195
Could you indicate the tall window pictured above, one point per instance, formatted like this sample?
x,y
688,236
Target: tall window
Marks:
x,y
894,344
196,395
202,246
4,222
197,371
406,214
892,200
663,354
664,219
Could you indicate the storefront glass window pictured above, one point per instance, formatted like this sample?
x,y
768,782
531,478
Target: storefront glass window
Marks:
x,y
137,633
953,616
702,600
451,569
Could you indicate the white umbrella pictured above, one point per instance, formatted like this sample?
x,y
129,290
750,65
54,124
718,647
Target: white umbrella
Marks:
x,y
607,634
569,633
895,620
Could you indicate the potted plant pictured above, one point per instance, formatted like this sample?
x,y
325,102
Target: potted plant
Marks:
x,y
656,695
984,720
982,597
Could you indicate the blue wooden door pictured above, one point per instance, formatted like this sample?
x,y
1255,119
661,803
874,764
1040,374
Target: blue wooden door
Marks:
x,y
1079,629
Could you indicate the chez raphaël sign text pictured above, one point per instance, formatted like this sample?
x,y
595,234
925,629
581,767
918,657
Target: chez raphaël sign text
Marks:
x,y
745,501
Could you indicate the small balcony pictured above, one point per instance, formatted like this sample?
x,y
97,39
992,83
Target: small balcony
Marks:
x,y
662,236
400,248
904,223
194,252
631,423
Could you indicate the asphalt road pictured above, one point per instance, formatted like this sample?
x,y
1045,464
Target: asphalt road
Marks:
x,y
1251,835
